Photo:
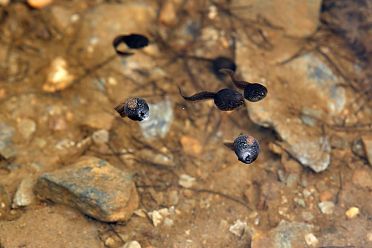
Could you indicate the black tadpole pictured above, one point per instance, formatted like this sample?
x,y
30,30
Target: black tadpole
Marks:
x,y
246,148
133,41
225,99
221,62
253,92
134,108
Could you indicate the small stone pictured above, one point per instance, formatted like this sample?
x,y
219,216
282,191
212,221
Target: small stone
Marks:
x,y
311,240
100,120
275,148
58,77
156,217
363,178
101,137
186,181
94,187
357,148
39,4
352,212
132,244
307,216
7,149
300,202
110,242
367,142
191,145
326,207
238,228
24,195
26,127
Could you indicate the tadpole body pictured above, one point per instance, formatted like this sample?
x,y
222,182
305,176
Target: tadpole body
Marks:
x,y
132,41
246,148
225,99
134,108
221,62
253,92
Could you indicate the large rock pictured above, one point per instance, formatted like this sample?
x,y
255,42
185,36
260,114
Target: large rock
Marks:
x,y
302,93
285,235
92,186
297,18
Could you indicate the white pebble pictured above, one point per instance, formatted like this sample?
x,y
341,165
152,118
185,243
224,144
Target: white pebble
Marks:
x,y
101,136
326,207
186,181
132,244
238,228
311,240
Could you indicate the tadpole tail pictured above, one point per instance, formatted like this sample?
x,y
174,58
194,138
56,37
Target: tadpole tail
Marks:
x,y
204,95
229,145
120,109
237,83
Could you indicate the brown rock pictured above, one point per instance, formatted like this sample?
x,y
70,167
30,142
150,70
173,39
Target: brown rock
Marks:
x,y
92,186
168,13
363,178
99,120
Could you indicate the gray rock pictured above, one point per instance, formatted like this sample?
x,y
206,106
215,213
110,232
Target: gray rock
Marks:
x,y
312,95
92,186
24,195
285,235
7,149
326,207
158,124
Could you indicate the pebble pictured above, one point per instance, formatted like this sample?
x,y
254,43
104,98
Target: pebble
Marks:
x,y
369,236
300,202
132,244
292,180
101,137
159,122
357,148
238,228
156,217
39,4
367,142
26,127
7,149
363,178
94,187
326,207
58,77
24,195
352,212
311,240
186,181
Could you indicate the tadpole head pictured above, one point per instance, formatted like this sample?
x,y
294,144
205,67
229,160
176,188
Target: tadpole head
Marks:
x,y
246,148
221,62
255,92
135,109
